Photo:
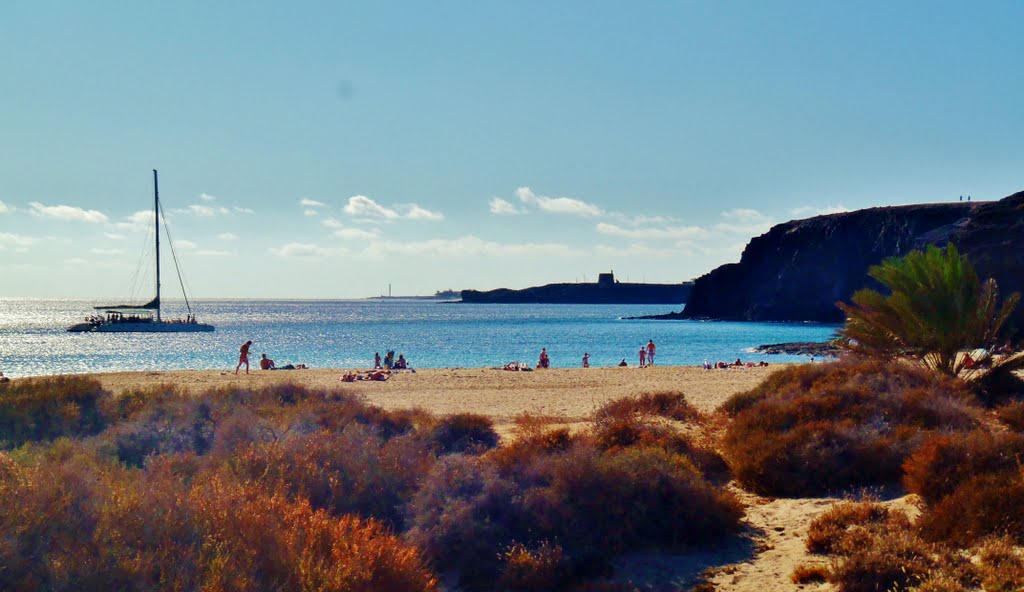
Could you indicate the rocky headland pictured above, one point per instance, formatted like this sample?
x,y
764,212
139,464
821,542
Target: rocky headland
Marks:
x,y
605,291
798,270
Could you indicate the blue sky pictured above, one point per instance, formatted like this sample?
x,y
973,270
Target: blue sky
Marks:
x,y
325,150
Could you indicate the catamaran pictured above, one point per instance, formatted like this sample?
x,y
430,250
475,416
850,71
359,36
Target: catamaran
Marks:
x,y
144,318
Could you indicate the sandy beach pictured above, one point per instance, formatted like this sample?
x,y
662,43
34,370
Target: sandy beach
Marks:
x,y
569,393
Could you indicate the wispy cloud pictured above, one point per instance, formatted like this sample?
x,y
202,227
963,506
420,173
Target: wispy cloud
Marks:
x,y
241,210
501,207
466,246
227,236
418,213
185,245
810,211
113,236
71,213
360,205
16,241
4,208
347,233
558,205
744,222
203,211
651,233
311,203
306,251
207,197
107,252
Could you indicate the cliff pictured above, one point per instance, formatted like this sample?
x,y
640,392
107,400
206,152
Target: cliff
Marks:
x,y
597,293
798,270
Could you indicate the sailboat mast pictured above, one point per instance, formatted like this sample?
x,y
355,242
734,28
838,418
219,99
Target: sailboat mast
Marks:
x,y
156,233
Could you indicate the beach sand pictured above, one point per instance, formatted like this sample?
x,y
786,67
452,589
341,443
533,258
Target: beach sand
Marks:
x,y
569,393
762,560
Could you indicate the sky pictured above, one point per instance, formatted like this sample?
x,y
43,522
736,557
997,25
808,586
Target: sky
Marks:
x,y
331,149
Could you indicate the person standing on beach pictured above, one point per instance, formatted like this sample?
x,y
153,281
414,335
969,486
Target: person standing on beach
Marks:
x,y
376,361
643,357
586,360
243,357
650,352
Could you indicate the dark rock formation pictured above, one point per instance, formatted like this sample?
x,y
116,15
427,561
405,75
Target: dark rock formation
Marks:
x,y
798,270
800,348
605,291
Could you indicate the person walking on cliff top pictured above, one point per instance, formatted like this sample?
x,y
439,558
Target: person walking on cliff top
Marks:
x,y
650,352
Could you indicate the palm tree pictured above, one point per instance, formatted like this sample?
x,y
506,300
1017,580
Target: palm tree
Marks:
x,y
937,309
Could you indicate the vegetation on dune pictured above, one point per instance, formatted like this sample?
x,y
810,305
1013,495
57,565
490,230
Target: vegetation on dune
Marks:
x,y
814,429
937,308
292,488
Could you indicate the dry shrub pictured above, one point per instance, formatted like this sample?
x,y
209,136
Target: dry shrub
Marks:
x,y
888,560
40,409
81,525
809,574
671,405
988,504
1012,415
943,463
834,426
166,427
542,568
463,432
594,504
355,471
828,531
1000,565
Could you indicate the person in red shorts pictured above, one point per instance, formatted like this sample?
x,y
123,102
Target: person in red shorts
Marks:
x,y
243,357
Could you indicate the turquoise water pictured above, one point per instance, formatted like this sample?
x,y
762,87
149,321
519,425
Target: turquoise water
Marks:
x,y
345,334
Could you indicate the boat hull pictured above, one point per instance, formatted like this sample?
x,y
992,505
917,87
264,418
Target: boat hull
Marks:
x,y
153,327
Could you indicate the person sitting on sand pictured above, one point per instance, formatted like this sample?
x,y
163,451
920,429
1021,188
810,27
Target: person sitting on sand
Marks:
x,y
737,363
266,363
707,364
349,377
544,361
623,363
243,356
762,364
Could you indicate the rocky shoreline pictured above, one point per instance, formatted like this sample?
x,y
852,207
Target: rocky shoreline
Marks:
x,y
806,348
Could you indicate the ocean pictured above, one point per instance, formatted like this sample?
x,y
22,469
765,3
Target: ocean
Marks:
x,y
346,333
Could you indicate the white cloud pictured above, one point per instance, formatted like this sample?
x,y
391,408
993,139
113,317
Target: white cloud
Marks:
x,y
311,203
136,221
241,210
466,246
185,245
113,236
417,213
668,232
204,211
63,212
558,205
227,236
18,241
360,205
207,197
306,250
107,252
810,211
310,212
636,250
501,207
4,208
744,222
354,234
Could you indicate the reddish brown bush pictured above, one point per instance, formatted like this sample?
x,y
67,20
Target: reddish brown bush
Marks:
x,y
1000,565
352,472
828,531
463,432
671,405
988,504
1012,415
943,463
839,425
542,568
40,409
809,574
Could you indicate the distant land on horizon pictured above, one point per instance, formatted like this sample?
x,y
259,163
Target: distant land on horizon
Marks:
x,y
607,290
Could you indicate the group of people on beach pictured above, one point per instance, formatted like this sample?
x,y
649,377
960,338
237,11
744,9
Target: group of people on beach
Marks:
x,y
265,362
389,362
737,364
544,361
